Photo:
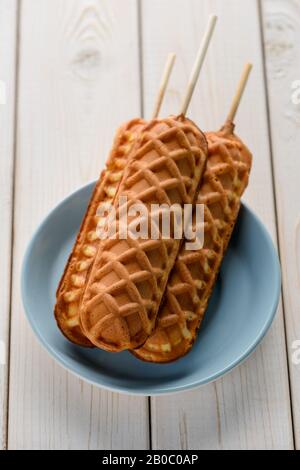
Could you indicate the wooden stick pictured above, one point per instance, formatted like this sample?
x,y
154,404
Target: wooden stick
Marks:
x,y
198,63
164,83
239,92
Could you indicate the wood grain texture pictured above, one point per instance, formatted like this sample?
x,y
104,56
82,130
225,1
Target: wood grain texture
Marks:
x,y
250,407
8,32
281,22
79,79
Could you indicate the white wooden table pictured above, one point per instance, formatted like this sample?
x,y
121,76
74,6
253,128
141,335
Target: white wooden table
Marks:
x,y
74,70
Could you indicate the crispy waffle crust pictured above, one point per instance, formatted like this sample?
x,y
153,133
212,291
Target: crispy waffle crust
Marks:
x,y
128,278
72,284
193,277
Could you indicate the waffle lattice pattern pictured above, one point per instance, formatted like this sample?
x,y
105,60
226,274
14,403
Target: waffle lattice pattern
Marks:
x,y
129,276
193,277
74,278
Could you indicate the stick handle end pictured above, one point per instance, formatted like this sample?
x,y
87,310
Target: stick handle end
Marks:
x,y
239,92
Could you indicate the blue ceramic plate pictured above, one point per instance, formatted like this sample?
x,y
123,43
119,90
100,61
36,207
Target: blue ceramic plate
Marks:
x,y
240,312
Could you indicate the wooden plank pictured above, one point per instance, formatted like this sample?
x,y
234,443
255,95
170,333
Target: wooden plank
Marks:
x,y
250,407
79,79
8,31
281,21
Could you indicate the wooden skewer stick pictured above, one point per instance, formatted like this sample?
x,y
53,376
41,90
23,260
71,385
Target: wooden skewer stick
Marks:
x,y
239,92
164,83
198,63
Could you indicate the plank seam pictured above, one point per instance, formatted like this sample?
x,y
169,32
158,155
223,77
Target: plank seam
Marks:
x,y
268,113
140,51
15,121
150,423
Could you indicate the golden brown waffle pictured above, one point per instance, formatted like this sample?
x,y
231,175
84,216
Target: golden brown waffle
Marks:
x,y
128,277
193,277
72,284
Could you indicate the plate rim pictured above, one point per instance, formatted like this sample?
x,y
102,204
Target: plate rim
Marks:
x,y
145,391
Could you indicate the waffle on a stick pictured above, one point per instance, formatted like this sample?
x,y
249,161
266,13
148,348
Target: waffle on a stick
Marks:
x,y
128,277
73,281
193,277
